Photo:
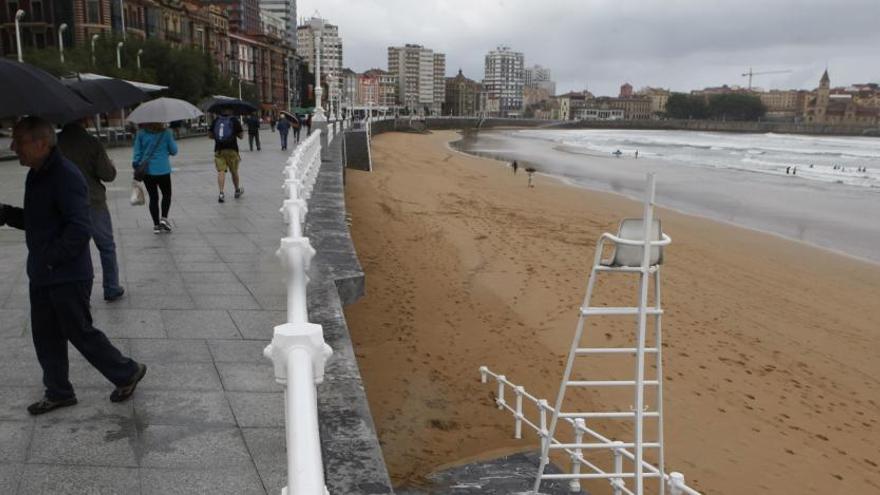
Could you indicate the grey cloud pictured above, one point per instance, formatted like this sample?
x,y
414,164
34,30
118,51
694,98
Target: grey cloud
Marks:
x,y
600,43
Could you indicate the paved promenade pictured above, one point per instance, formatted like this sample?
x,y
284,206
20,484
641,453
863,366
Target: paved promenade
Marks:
x,y
200,306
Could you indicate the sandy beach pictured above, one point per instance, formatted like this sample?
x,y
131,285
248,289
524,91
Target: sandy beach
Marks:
x,y
770,346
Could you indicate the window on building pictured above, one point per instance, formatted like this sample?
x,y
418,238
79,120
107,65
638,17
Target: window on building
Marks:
x,y
36,11
93,11
13,8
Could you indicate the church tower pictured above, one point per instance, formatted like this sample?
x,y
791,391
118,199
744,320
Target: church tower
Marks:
x,y
822,97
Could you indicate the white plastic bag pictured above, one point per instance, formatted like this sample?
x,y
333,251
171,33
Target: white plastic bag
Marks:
x,y
137,194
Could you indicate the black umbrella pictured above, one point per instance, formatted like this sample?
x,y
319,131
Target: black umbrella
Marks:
x,y
236,105
27,90
108,95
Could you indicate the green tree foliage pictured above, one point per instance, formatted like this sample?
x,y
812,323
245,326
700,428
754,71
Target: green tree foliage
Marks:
x,y
736,106
729,106
189,74
684,106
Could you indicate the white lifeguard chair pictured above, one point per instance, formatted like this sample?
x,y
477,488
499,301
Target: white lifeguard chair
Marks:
x,y
637,249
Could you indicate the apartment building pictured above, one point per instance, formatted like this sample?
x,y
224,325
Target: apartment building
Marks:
x,y
503,82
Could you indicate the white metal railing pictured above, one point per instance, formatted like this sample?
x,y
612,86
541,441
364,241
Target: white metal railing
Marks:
x,y
298,351
674,481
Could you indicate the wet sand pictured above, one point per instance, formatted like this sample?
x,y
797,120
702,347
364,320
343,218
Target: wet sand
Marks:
x,y
771,375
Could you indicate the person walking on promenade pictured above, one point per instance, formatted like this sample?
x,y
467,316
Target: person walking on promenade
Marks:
x,y
154,144
55,218
87,153
295,124
226,131
283,130
308,125
253,127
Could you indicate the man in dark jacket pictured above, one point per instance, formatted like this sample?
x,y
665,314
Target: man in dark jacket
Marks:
x,y
56,222
253,128
87,153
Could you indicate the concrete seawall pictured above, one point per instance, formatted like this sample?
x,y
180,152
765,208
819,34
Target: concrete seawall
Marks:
x,y
353,460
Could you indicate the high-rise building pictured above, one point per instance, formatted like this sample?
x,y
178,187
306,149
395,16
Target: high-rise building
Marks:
x,y
439,83
420,77
503,82
286,10
539,78
331,52
244,15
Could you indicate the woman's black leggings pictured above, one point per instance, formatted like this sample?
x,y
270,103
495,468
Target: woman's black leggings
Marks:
x,y
153,184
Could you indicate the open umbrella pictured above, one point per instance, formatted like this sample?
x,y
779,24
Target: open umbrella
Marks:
x,y
164,110
236,105
27,90
108,95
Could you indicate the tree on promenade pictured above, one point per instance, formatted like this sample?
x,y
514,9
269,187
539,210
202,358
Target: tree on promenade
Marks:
x,y
189,74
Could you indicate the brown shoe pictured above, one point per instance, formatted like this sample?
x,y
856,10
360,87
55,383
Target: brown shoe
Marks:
x,y
124,392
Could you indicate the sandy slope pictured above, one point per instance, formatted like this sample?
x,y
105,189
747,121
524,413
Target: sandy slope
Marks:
x,y
770,346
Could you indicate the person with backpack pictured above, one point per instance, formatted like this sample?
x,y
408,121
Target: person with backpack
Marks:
x,y
153,145
283,127
226,130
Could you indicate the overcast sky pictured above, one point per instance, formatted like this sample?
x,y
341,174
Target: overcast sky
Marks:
x,y
600,44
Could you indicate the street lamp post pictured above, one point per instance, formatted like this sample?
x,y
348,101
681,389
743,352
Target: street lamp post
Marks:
x,y
122,18
318,27
140,52
119,55
94,39
18,15
330,95
61,29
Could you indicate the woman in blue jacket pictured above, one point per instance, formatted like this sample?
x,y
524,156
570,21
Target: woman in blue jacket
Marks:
x,y
154,144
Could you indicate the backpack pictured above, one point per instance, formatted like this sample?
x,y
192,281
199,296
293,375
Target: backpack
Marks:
x,y
224,129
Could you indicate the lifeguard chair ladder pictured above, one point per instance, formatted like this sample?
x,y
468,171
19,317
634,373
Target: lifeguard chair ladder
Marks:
x,y
638,249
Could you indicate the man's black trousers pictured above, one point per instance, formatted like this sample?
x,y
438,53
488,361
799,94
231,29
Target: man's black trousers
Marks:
x,y
61,314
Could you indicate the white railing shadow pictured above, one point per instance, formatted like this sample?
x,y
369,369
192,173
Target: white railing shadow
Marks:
x,y
298,351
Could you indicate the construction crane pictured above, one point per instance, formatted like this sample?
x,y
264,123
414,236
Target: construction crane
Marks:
x,y
750,74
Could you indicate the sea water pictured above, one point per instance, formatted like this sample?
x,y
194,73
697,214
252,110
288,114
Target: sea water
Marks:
x,y
807,188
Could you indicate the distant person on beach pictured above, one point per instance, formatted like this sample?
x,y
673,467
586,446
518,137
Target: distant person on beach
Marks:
x,y
515,166
787,170
55,218
531,171
794,171
637,153
283,127
617,153
253,127
87,153
155,144
226,131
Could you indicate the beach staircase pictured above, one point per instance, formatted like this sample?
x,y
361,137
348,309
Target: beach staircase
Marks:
x,y
633,463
